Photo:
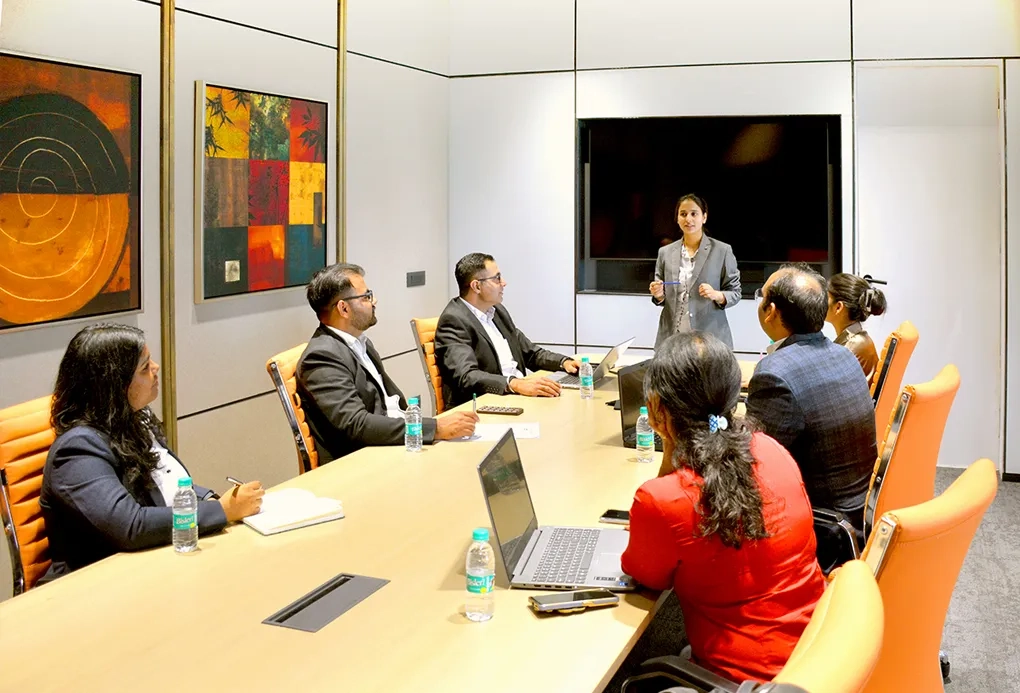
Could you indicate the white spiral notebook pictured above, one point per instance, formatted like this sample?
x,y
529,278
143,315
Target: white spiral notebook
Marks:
x,y
293,508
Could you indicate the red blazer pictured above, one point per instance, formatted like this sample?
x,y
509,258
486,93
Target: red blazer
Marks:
x,y
744,609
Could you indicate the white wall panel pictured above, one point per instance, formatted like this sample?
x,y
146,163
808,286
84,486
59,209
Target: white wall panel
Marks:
x,y
641,33
935,28
397,192
314,20
512,160
410,32
248,440
118,34
222,346
930,220
1012,464
523,36
723,90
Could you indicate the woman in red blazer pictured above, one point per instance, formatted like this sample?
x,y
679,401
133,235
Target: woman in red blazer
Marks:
x,y
727,524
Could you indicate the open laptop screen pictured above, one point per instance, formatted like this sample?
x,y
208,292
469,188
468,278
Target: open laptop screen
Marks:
x,y
632,394
508,498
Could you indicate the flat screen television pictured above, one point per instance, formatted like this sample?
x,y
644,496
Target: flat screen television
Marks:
x,y
771,183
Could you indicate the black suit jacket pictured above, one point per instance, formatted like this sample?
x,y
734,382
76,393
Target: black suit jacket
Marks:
x,y
467,358
343,404
90,514
811,395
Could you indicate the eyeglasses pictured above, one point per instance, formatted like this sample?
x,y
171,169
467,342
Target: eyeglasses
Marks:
x,y
758,296
498,278
369,295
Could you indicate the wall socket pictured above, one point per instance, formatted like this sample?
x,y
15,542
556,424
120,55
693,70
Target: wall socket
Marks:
x,y
416,278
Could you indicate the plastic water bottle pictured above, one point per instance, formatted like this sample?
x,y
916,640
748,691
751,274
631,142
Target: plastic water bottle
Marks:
x,y
185,530
645,438
481,577
412,426
587,383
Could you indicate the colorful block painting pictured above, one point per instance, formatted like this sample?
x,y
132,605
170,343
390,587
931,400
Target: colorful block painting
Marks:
x,y
69,192
262,203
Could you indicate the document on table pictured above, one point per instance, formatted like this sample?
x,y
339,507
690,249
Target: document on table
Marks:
x,y
293,508
494,431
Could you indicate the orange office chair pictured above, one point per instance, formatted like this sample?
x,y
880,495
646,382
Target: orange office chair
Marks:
x,y
282,369
824,661
916,554
891,366
904,474
424,330
25,440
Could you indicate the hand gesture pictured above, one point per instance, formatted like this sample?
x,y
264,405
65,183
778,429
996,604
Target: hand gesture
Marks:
x,y
535,387
708,292
458,424
242,501
658,290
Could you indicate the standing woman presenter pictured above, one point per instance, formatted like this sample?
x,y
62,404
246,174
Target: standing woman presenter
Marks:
x,y
696,278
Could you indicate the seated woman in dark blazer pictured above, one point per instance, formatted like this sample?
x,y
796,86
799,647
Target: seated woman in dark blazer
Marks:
x,y
109,480
852,300
727,524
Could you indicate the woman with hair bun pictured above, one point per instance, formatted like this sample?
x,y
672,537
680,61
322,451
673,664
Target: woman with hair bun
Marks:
x,y
727,523
852,300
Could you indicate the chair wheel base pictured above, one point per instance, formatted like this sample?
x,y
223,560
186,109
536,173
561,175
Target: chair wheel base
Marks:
x,y
944,665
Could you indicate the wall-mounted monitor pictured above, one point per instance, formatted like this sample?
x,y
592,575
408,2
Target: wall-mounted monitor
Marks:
x,y
771,183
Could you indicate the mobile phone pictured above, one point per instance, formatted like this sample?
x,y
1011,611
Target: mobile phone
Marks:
x,y
565,602
506,411
616,517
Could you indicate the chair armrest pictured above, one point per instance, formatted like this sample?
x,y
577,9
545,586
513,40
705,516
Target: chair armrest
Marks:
x,y
824,516
681,671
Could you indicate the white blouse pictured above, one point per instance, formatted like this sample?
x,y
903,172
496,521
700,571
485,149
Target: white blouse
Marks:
x,y
167,472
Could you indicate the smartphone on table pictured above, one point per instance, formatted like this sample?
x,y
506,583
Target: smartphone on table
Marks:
x,y
566,602
616,517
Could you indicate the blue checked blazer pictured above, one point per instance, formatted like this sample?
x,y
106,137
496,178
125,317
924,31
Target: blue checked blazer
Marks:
x,y
812,396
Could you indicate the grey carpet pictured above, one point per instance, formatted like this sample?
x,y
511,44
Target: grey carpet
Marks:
x,y
982,634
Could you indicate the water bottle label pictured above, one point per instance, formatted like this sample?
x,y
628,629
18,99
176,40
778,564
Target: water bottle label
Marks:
x,y
645,440
185,520
586,381
414,429
480,584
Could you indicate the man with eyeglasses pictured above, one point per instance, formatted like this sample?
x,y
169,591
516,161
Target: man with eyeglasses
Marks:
x,y
348,399
814,399
480,350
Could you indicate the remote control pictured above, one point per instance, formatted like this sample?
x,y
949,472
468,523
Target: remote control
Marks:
x,y
506,411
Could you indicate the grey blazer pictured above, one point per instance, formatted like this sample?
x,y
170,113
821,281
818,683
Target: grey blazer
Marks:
x,y
714,265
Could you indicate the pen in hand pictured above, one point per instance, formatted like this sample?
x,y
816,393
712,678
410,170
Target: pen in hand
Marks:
x,y
236,484
474,404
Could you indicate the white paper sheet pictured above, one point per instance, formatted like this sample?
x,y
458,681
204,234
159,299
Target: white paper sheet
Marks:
x,y
494,431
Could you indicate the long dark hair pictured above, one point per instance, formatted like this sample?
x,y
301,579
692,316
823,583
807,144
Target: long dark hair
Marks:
x,y
695,375
861,299
92,390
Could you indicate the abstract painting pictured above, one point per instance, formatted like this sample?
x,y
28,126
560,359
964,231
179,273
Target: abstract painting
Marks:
x,y
261,191
69,192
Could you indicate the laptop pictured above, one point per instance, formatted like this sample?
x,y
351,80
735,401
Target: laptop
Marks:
x,y
631,381
601,369
559,558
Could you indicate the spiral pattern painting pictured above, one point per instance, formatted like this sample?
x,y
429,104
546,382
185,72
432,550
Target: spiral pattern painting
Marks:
x,y
69,181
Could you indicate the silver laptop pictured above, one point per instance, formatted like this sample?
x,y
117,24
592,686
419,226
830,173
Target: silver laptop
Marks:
x,y
544,557
602,368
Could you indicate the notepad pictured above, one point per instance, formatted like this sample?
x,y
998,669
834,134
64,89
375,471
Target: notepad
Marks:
x,y
292,508
495,431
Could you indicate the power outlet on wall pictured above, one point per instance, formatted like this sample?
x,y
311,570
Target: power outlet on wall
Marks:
x,y
416,278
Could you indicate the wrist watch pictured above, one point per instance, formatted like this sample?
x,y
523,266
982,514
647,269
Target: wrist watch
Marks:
x,y
510,390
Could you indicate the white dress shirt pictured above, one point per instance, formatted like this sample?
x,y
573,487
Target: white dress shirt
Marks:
x,y
167,472
507,364
359,345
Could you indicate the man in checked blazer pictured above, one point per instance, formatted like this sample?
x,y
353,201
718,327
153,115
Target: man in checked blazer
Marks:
x,y
812,396
348,398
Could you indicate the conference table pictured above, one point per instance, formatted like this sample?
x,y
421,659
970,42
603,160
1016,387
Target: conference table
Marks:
x,y
155,620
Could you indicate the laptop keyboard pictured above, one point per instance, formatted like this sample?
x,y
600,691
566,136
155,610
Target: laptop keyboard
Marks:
x,y
567,556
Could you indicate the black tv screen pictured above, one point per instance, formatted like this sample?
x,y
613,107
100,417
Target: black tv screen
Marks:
x,y
772,186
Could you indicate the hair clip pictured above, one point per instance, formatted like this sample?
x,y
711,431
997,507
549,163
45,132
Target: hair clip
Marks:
x,y
717,423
